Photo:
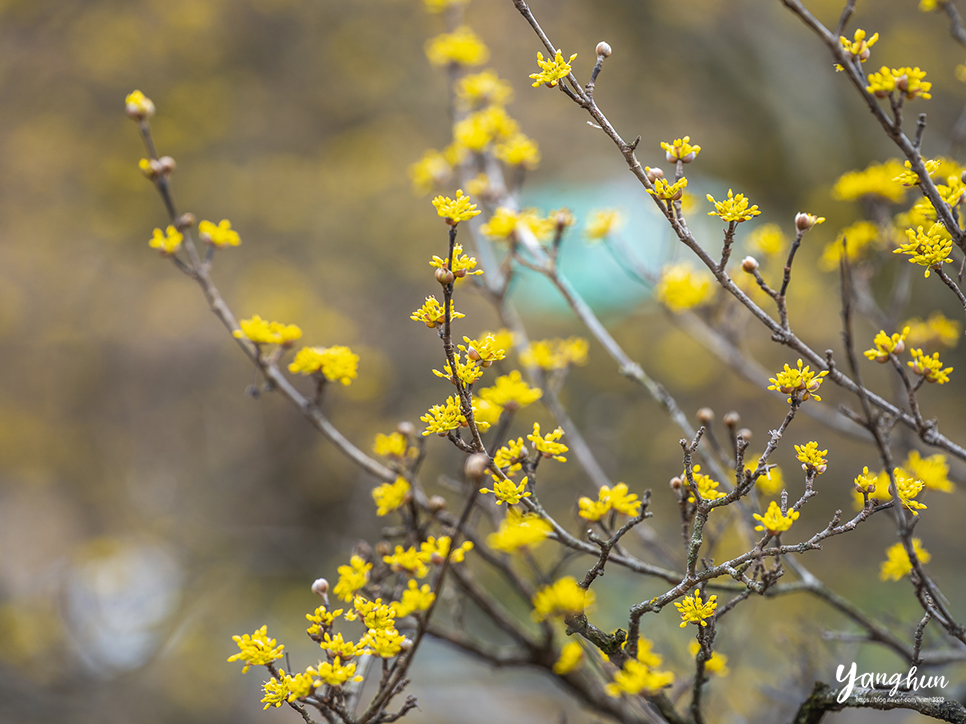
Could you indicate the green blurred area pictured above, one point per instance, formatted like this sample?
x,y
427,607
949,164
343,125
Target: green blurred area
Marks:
x,y
149,509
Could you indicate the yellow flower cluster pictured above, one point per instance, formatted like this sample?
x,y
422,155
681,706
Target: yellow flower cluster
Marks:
x,y
734,209
908,488
638,676
467,372
394,445
461,47
878,179
799,381
859,46
462,263
767,239
519,530
933,471
547,445
138,105
336,363
220,235
505,222
772,482
570,659
167,241
261,331
511,392
432,170
390,496
556,354
414,598
256,649
486,350
602,223
861,239
680,150
694,610
886,345
432,314
320,620
717,664
432,551
352,578
506,492
897,564
929,249
563,598
930,367
908,81
618,499
483,89
509,458
518,150
707,488
552,71
478,130
681,287
774,521
910,178
811,458
667,191
455,210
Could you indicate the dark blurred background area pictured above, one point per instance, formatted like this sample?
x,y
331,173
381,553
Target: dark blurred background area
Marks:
x,y
149,509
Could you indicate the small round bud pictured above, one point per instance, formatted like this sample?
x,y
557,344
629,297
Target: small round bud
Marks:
x,y
167,165
744,433
562,218
320,587
676,483
749,264
436,559
705,415
900,347
865,54
473,354
963,177
406,428
731,419
476,465
653,173
406,644
444,276
603,49
436,504
185,221
383,548
805,221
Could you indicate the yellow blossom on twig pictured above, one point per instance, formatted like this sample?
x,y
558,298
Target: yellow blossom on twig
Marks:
x,y
556,354
717,664
734,208
483,89
561,599
511,391
933,471
774,521
667,191
220,235
167,241
570,659
800,381
506,492
680,150
552,71
390,496
256,649
618,499
908,488
694,610
336,363
431,313
930,367
929,249
519,530
352,578
886,345
547,445
897,564
859,46
603,223
461,47
455,210
261,331
811,458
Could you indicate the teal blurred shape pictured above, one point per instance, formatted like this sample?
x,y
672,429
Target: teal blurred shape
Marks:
x,y
591,266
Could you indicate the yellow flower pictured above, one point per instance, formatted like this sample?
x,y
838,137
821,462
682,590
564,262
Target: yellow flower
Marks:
x,y
562,598
334,673
478,130
485,413
276,691
717,664
509,458
898,565
261,331
910,178
774,521
506,492
220,235
461,47
467,372
518,150
637,678
430,171
861,238
556,354
302,685
321,619
485,350
694,610
877,486
772,482
571,657
443,418
352,578
619,500
384,643
435,551
933,471
908,488
374,614
455,210
812,458
767,239
431,313
927,6
552,71
929,367
336,363
168,241
681,287
504,224
878,179
908,81
707,488
602,223
511,391
338,647
392,445
548,445
930,249
664,189
519,530
801,380
483,89
859,46
390,496
680,150
256,649
413,599
886,345
138,105
463,265
734,208
407,560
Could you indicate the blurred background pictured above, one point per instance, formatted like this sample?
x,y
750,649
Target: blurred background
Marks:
x,y
149,509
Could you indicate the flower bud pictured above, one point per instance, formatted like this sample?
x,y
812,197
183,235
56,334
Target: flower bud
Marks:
x,y
805,221
705,415
406,644
476,465
676,483
320,587
749,264
731,419
167,165
436,504
406,428
444,276
185,221
900,347
603,49
383,548
744,433
472,354
436,558
653,173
